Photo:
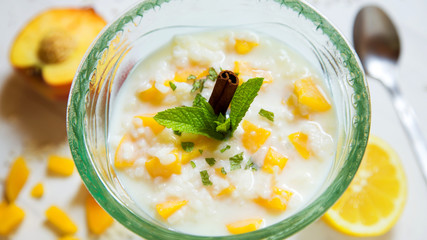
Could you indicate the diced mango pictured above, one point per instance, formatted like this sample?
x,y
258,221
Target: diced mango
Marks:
x,y
166,209
243,46
60,165
97,219
299,140
310,95
37,191
182,74
148,121
278,200
246,72
200,143
60,220
156,169
68,238
219,172
10,217
296,108
253,137
273,158
186,157
152,95
119,161
16,179
227,191
244,226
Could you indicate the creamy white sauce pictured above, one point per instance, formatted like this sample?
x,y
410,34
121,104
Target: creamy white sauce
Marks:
x,y
205,213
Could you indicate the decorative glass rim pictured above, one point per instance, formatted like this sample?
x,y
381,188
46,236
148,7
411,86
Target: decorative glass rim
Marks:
x,y
76,111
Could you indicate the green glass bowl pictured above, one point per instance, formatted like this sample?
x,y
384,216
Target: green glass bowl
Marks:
x,y
149,25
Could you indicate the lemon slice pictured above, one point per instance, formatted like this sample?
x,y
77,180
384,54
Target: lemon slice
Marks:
x,y
375,198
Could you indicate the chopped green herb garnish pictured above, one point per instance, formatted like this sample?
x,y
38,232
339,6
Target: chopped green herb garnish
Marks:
x,y
172,85
210,161
191,77
198,85
267,114
193,164
251,165
205,178
187,146
212,74
201,119
223,171
201,151
225,148
178,133
235,161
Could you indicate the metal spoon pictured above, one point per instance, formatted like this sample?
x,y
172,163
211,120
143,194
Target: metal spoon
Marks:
x,y
377,44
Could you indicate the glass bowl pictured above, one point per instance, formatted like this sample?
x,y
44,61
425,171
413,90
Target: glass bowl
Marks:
x,y
149,25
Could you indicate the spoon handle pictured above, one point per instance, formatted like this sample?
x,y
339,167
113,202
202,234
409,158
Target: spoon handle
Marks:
x,y
410,124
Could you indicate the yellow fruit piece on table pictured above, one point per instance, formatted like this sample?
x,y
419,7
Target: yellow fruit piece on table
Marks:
x,y
166,209
37,191
244,226
375,199
247,72
119,161
68,238
49,49
16,179
10,217
299,140
310,95
60,220
227,191
148,121
98,220
60,165
156,169
253,137
278,200
273,158
243,46
152,95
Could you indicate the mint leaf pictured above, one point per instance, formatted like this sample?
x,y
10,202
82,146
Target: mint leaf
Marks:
x,y
235,161
225,148
210,161
187,146
198,85
193,165
242,99
201,151
201,102
172,85
267,114
205,178
223,171
191,120
191,77
251,165
223,127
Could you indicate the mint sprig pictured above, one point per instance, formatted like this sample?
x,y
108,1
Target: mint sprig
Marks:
x,y
201,119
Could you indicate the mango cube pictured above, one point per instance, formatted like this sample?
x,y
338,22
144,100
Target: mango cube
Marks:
x,y
156,169
152,95
68,238
273,158
37,191
186,157
148,121
220,172
60,165
243,46
278,200
97,219
10,217
299,140
166,209
16,179
310,95
253,137
119,161
246,72
182,74
244,226
60,220
227,191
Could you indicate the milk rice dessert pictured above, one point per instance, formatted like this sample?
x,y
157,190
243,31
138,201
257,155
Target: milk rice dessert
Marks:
x,y
199,171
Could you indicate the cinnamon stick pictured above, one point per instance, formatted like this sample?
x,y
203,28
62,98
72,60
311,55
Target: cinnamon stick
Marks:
x,y
224,89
